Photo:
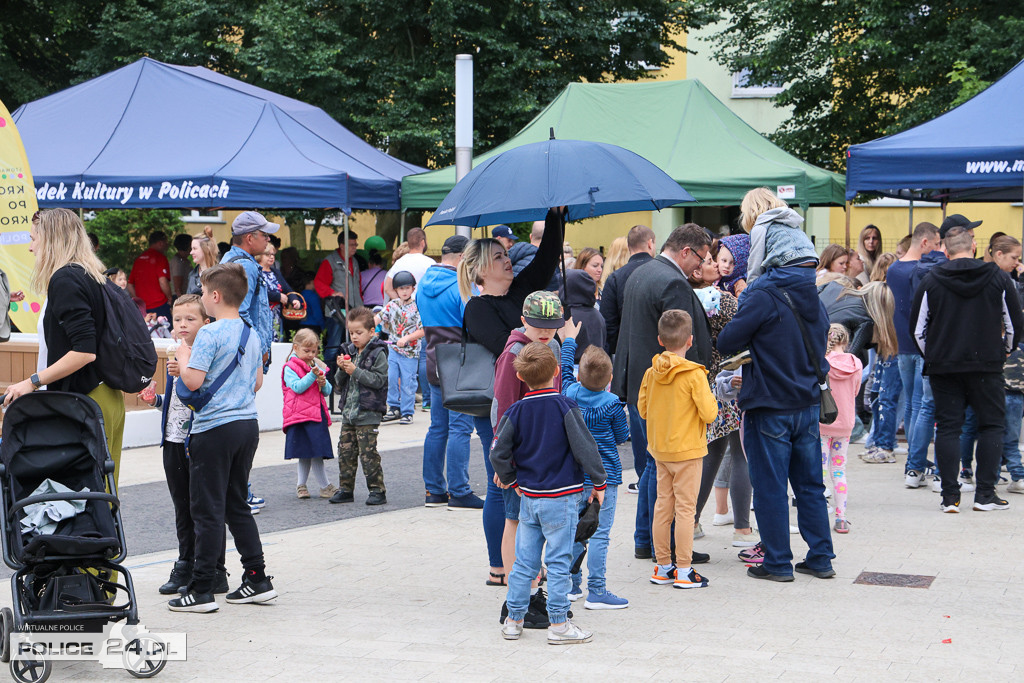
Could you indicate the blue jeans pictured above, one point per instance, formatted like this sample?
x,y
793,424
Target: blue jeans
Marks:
x,y
597,554
447,439
783,445
1011,437
647,494
402,382
890,384
494,506
332,344
919,420
421,374
637,440
550,521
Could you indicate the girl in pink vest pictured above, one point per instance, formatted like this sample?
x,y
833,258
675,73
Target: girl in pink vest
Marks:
x,y
305,413
844,380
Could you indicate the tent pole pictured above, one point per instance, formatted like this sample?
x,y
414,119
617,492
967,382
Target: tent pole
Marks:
x,y
910,219
348,269
1022,213
401,229
848,208
943,212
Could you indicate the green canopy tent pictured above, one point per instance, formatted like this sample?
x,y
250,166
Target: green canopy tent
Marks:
x,y
679,126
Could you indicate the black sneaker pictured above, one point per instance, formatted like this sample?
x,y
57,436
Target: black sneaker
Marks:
x,y
436,500
470,501
759,572
819,573
376,498
950,504
253,591
391,415
342,496
194,602
699,558
181,574
641,552
990,502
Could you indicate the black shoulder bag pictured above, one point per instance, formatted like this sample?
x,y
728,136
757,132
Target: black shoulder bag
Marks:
x,y
466,371
829,411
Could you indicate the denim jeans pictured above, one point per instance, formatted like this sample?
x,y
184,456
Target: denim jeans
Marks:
x,y
647,493
1011,436
550,521
919,419
421,375
332,344
637,440
781,446
884,423
447,439
494,506
402,382
597,550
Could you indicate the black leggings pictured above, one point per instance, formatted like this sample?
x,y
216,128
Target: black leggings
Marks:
x,y
739,478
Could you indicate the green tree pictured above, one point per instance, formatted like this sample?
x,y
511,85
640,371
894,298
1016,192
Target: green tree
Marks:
x,y
124,233
858,69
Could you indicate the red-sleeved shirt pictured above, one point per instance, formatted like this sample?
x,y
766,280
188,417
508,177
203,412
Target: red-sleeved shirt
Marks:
x,y
145,277
325,276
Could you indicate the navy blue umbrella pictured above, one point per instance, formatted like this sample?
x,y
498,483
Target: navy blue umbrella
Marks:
x,y
591,178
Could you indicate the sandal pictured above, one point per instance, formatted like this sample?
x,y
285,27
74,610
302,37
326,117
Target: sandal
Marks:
x,y
302,492
496,579
841,526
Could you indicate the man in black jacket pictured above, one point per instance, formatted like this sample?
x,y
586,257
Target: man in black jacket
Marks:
x,y
640,242
655,287
966,319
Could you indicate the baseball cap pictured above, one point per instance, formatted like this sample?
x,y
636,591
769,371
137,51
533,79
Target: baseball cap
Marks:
x,y
455,244
957,220
504,231
543,309
251,221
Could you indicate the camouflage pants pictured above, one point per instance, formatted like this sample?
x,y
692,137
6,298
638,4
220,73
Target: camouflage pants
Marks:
x,y
359,443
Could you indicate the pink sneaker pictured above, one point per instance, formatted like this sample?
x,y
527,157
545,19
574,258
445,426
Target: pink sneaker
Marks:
x,y
754,555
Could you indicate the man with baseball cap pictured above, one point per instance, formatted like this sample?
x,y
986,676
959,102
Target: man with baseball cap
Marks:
x,y
505,236
957,220
441,309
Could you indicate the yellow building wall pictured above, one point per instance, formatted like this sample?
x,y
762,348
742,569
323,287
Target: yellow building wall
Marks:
x,y
362,223
894,221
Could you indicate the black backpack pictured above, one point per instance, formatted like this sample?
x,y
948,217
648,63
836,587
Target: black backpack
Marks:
x,y
125,355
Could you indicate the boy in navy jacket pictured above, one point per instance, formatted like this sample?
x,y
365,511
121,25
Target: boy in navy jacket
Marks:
x,y
541,449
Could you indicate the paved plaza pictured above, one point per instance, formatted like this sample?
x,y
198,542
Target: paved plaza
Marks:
x,y
399,594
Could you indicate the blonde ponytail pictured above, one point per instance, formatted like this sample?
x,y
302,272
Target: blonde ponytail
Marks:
x,y
475,258
838,336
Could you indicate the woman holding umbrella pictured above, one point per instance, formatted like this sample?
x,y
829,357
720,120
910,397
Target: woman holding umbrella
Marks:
x,y
489,319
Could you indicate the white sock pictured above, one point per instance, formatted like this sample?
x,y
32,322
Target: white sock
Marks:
x,y
533,591
317,468
303,470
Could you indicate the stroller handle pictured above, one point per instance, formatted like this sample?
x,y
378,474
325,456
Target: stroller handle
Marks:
x,y
49,497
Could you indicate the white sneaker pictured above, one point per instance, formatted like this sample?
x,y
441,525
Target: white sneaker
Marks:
x,y
879,456
965,486
901,450
794,529
723,520
1015,486
698,532
745,540
511,630
568,634
937,485
914,479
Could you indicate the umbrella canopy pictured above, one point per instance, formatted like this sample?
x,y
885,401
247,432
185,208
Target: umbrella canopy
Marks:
x,y
591,178
679,126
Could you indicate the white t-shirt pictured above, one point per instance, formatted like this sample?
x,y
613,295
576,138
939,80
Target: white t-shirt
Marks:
x,y
416,264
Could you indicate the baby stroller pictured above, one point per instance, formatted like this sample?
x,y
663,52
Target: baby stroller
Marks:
x,y
65,571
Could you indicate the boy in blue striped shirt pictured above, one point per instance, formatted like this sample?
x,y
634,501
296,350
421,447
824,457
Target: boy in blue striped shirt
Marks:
x,y
605,417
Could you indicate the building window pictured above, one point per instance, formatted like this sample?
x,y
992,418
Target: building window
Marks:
x,y
201,216
743,88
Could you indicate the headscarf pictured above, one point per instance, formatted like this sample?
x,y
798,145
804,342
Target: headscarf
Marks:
x,y
739,247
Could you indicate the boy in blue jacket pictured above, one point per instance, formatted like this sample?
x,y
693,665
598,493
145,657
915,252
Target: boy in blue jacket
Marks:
x,y
541,450
605,417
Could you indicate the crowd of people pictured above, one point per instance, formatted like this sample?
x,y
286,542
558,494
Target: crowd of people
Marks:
x,y
743,364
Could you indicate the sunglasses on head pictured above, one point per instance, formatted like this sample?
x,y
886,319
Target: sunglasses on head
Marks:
x,y
35,216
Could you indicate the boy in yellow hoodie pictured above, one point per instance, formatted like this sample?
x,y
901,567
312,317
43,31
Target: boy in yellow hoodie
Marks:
x,y
678,405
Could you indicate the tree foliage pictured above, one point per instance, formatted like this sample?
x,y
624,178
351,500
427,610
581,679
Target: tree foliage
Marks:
x,y
858,69
124,233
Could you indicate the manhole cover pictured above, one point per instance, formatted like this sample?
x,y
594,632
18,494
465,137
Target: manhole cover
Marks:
x,y
897,580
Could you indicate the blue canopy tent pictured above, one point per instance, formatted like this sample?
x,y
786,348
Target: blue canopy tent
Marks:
x,y
973,153
155,135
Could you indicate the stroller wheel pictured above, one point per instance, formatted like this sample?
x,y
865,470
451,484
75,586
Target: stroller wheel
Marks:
x,y
145,656
6,628
31,670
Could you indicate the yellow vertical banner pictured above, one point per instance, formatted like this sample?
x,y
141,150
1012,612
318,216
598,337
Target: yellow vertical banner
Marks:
x,y
17,204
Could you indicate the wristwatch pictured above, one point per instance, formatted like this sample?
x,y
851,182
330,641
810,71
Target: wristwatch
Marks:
x,y
35,380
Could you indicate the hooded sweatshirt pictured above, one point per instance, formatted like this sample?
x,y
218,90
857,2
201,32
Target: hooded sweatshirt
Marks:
x,y
780,375
777,240
441,309
580,297
508,388
676,400
844,380
966,317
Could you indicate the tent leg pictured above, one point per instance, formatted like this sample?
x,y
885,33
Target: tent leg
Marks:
x,y
401,229
848,208
348,269
910,219
943,212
